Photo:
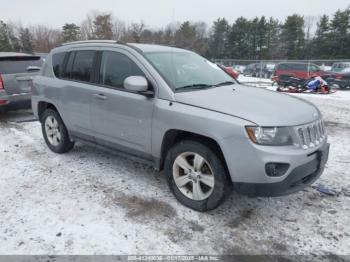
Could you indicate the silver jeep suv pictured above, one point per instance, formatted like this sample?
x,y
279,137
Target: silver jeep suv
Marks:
x,y
184,115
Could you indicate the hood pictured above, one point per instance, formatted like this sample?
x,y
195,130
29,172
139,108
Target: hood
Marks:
x,y
257,105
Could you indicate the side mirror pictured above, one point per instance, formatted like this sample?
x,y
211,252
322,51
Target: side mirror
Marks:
x,y
136,84
33,69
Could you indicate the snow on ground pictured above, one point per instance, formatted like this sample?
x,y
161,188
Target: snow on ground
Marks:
x,y
250,79
91,201
255,81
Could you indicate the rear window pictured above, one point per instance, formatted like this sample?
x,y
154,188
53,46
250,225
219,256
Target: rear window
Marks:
x,y
16,65
57,64
83,66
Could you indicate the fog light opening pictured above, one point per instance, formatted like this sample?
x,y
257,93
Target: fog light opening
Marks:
x,y
276,169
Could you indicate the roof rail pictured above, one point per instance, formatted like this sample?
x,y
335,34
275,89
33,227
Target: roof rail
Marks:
x,y
93,42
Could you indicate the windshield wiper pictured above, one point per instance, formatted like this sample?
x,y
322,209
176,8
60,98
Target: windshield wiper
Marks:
x,y
227,83
194,86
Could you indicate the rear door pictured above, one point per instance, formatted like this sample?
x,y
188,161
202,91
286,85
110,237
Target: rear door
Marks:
x,y
17,73
77,92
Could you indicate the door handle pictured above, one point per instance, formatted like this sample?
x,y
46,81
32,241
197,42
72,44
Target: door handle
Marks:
x,y
100,96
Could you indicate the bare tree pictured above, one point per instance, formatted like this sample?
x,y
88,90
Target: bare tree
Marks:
x,y
136,31
119,30
87,28
45,38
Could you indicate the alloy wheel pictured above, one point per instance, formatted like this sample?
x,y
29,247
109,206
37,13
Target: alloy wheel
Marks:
x,y
193,176
53,131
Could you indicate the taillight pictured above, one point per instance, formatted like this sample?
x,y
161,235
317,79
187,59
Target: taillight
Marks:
x,y
1,83
2,101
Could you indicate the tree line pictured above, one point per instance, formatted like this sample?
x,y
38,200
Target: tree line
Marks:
x,y
297,37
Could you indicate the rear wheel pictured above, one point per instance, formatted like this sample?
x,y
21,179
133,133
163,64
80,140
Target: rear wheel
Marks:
x,y
196,175
55,132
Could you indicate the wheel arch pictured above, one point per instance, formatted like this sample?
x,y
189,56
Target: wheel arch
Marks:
x,y
174,136
42,106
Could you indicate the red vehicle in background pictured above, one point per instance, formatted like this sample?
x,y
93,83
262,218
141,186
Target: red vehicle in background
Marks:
x,y
299,70
230,71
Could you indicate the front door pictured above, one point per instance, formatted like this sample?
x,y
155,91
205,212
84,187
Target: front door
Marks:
x,y
121,118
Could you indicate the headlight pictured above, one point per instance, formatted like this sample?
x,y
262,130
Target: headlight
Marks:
x,y
272,136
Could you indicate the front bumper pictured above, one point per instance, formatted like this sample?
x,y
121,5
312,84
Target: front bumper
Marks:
x,y
299,178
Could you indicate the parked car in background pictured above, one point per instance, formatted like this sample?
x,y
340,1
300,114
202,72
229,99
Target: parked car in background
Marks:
x,y
230,71
341,67
182,114
342,79
16,73
239,68
250,70
298,70
263,69
267,70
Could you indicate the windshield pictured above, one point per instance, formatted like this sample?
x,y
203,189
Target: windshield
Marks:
x,y
186,70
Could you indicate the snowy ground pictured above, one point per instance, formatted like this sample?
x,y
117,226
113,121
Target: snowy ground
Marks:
x,y
94,202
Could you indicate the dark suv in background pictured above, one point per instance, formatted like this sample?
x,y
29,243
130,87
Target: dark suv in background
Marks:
x,y
16,73
263,70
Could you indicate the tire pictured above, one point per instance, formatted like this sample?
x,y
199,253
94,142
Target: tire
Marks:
x,y
59,141
212,172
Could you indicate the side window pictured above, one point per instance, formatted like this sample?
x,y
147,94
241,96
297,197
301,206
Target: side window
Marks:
x,y
299,67
67,72
82,69
57,64
116,67
314,68
284,67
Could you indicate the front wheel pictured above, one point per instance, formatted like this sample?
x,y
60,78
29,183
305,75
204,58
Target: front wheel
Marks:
x,y
55,132
196,175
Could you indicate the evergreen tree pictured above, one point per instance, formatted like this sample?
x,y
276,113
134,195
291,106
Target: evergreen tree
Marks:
x,y
340,34
102,27
262,41
293,37
14,41
219,39
322,39
239,39
26,40
5,44
185,36
70,32
273,43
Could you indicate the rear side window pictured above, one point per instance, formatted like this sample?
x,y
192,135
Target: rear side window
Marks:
x,y
282,67
57,64
67,71
314,68
295,67
299,67
115,68
83,64
16,65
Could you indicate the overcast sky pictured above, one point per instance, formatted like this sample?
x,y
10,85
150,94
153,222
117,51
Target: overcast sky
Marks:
x,y
157,13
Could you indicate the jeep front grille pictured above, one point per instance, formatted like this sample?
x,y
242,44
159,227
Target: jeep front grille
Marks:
x,y
311,135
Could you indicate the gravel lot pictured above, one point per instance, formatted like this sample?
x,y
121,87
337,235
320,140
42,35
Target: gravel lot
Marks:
x,y
91,201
